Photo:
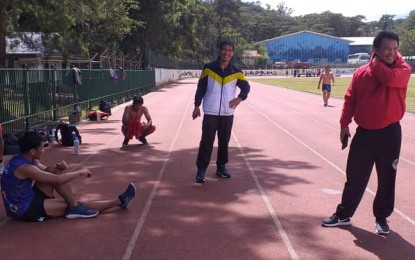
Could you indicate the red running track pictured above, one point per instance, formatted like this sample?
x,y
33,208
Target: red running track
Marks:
x,y
288,173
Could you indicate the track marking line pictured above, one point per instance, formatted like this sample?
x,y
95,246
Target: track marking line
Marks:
x,y
403,215
144,214
4,221
268,204
337,129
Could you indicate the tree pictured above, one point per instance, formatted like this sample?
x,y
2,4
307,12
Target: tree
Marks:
x,y
3,26
283,10
168,28
407,35
85,23
387,23
407,42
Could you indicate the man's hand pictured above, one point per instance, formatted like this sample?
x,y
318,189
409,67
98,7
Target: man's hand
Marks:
x,y
61,166
234,102
86,172
343,132
196,113
144,126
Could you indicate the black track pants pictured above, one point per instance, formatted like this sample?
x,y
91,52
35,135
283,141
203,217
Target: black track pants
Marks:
x,y
212,124
372,147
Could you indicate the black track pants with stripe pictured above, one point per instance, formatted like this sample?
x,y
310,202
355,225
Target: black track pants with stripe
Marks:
x,y
212,124
372,147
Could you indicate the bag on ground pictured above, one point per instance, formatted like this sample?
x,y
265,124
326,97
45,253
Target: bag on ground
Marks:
x,y
105,106
65,130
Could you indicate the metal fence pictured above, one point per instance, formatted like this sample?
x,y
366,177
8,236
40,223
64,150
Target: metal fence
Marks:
x,y
32,98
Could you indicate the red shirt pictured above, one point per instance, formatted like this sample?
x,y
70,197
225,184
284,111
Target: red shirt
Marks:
x,y
376,96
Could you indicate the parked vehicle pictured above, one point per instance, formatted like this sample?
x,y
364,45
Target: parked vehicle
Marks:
x,y
358,58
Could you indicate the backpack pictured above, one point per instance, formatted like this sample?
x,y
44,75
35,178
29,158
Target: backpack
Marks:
x,y
105,106
11,145
66,134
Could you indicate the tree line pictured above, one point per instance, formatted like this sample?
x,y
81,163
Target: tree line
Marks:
x,y
186,30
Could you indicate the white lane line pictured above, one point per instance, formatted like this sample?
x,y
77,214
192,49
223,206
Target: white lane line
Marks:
x,y
403,215
4,221
143,217
337,129
268,204
409,136
406,160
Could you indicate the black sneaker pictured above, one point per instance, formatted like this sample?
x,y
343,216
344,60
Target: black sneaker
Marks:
x,y
222,172
143,140
382,227
334,221
127,196
125,143
200,175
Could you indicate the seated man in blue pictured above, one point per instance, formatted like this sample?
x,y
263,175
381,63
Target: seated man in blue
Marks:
x,y
28,186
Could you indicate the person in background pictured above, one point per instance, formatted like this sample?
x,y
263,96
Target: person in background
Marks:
x,y
28,187
217,88
131,122
376,100
327,77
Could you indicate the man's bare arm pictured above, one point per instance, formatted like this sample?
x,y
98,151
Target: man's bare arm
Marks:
x,y
35,173
147,115
126,116
319,81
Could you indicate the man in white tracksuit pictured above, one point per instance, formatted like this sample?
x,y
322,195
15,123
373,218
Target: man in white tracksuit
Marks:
x,y
217,88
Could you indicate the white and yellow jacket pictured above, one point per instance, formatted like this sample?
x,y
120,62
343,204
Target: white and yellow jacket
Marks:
x,y
216,87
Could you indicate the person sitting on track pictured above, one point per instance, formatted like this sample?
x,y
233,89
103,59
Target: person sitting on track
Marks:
x,y
131,122
28,187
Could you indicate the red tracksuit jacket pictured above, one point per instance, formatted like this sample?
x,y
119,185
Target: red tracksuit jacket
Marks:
x,y
376,96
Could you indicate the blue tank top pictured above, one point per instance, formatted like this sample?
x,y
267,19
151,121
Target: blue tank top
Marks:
x,y
17,193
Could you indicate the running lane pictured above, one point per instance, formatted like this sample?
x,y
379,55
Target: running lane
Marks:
x,y
287,174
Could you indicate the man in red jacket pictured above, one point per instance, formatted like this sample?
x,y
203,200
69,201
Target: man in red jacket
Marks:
x,y
376,100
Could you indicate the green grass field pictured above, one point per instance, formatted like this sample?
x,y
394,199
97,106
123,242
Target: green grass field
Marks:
x,y
338,90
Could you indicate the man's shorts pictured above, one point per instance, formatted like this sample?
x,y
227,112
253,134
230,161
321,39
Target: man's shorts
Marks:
x,y
36,210
326,87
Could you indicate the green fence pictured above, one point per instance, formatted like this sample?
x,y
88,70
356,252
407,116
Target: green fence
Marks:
x,y
33,98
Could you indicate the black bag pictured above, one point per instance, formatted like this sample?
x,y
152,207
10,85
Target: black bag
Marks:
x,y
11,146
66,134
105,106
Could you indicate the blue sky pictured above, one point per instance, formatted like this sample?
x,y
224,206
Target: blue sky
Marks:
x,y
372,9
